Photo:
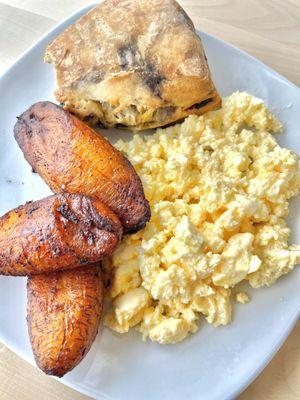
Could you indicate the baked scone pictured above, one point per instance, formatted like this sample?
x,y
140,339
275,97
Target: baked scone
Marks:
x,y
133,63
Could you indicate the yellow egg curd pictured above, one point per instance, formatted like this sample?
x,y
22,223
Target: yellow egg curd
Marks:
x,y
218,187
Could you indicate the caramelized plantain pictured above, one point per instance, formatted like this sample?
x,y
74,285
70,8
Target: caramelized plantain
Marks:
x,y
63,314
70,156
59,232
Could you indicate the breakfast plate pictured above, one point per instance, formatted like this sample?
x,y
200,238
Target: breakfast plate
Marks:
x,y
213,363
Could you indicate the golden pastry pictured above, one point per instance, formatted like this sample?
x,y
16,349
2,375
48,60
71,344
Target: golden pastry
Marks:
x,y
133,63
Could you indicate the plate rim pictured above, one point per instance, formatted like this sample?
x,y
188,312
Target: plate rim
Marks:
x,y
239,388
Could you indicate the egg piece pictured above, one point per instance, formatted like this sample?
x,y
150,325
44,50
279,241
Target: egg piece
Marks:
x,y
219,187
128,309
237,261
241,297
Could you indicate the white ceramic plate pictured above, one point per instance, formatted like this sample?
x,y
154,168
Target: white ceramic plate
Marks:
x,y
215,363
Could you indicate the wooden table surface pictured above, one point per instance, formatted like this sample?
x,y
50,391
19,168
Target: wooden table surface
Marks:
x,y
267,29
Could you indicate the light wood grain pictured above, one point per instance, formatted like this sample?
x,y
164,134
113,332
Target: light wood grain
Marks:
x,y
280,380
267,29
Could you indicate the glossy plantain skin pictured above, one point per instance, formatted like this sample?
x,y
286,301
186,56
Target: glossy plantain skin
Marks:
x,y
57,233
70,156
63,314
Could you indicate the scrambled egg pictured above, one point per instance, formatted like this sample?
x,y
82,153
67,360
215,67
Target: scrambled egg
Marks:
x,y
242,297
218,186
